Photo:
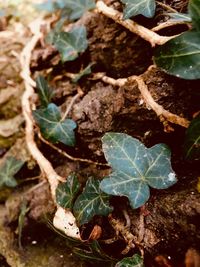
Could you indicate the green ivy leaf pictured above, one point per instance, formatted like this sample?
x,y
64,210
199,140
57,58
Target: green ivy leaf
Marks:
x,y
79,7
91,202
7,171
135,168
135,261
194,11
44,91
180,17
135,7
66,192
53,128
192,140
82,73
70,44
180,56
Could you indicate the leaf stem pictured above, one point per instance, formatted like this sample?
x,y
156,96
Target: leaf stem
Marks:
x,y
65,154
73,100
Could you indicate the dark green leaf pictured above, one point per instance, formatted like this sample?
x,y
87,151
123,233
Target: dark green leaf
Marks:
x,y
44,91
180,17
53,128
135,261
180,56
135,168
194,11
70,44
135,7
7,171
192,142
82,73
66,192
91,202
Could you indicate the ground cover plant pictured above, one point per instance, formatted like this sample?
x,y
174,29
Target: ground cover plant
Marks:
x,y
104,159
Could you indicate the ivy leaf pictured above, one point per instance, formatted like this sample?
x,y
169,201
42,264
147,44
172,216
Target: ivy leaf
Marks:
x,y
70,44
7,171
91,202
57,28
78,7
44,91
135,7
180,56
135,168
135,261
194,11
85,71
192,140
66,192
180,17
53,128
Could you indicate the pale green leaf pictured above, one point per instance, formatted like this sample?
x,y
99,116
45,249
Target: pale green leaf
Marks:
x,y
48,5
135,261
194,11
91,202
137,7
85,71
70,44
7,171
53,128
180,17
192,140
135,168
180,56
21,219
66,192
78,7
44,91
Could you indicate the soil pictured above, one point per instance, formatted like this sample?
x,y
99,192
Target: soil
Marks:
x,y
171,217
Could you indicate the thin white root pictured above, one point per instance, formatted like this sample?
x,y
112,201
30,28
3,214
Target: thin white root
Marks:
x,y
159,110
148,35
162,113
45,166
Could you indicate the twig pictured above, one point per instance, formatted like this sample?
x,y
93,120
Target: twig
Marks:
x,y
63,219
69,156
166,7
167,24
148,35
73,100
25,59
127,217
159,110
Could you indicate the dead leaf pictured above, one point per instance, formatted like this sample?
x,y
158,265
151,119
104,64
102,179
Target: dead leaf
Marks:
x,y
11,126
192,258
96,233
6,94
65,221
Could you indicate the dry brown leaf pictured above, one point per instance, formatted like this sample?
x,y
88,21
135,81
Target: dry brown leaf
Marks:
x,y
11,126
